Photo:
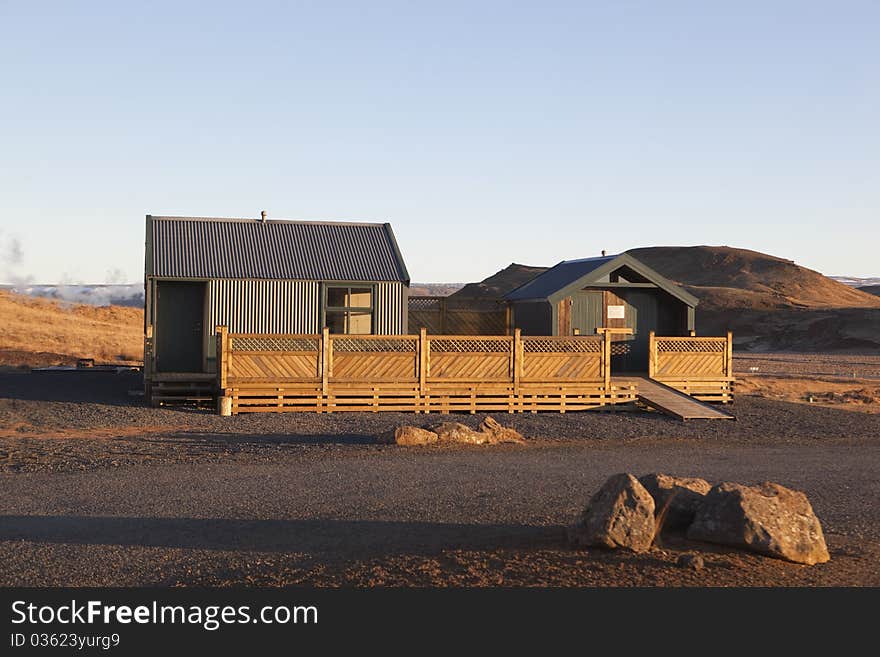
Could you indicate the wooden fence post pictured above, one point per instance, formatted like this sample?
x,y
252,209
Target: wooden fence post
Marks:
x,y
325,359
423,360
606,356
729,356
518,354
223,354
223,351
652,354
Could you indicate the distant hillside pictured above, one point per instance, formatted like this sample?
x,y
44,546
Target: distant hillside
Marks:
x,y
727,278
855,281
39,332
501,282
433,289
870,289
769,303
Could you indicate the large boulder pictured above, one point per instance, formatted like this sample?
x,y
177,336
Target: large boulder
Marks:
x,y
619,515
499,433
676,499
407,435
769,519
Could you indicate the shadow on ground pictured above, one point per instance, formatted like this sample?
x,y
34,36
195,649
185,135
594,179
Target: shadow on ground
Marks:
x,y
340,538
96,387
236,441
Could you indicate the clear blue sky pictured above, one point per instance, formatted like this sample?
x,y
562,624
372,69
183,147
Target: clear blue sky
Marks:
x,y
486,132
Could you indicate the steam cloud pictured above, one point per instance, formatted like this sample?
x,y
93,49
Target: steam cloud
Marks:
x,y
113,292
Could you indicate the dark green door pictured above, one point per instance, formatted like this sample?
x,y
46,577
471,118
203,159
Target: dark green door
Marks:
x,y
641,316
180,310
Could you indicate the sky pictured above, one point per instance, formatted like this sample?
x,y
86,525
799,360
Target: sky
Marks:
x,y
485,132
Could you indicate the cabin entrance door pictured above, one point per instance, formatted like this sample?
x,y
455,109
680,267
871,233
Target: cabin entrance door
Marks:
x,y
179,327
641,316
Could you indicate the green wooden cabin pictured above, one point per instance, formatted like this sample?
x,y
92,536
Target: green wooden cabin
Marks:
x,y
616,291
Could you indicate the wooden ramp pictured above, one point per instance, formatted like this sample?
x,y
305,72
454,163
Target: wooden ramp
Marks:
x,y
677,404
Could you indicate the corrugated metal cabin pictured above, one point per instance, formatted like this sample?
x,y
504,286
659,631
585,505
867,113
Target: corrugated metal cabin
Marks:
x,y
261,276
607,292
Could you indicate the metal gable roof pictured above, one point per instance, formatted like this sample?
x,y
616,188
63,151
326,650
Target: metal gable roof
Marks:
x,y
560,280
557,277
192,247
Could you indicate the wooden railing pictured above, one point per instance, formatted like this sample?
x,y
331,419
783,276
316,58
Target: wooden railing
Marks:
x,y
699,366
422,372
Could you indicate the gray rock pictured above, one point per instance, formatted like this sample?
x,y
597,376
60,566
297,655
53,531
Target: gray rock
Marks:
x,y
456,432
690,561
769,519
491,432
676,499
407,435
619,515
499,433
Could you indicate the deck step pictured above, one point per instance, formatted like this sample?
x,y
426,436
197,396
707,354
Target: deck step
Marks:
x,y
181,391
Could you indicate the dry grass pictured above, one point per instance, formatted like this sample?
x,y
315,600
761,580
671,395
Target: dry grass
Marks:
x,y
36,331
852,395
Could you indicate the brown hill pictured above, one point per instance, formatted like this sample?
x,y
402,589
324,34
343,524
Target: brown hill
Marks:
x,y
39,332
501,282
726,278
769,303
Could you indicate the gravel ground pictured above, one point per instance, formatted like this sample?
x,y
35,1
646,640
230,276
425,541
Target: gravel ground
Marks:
x,y
96,489
863,366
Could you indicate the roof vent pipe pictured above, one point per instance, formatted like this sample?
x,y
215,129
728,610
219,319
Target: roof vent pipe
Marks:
x,y
263,216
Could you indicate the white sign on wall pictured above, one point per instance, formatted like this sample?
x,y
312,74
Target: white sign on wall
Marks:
x,y
616,312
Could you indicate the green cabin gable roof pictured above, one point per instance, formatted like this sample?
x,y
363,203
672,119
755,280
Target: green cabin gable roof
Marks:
x,y
200,248
568,276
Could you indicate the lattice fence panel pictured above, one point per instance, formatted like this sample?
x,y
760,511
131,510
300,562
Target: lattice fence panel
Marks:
x,y
364,345
691,345
424,303
274,344
564,345
620,348
470,345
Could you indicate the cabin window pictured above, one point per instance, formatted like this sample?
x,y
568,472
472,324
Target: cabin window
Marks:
x,y
348,309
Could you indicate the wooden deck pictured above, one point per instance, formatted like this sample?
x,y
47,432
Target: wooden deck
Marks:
x,y
424,373
670,401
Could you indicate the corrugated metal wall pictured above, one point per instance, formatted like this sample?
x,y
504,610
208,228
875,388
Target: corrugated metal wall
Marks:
x,y
263,306
391,309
